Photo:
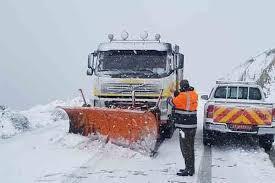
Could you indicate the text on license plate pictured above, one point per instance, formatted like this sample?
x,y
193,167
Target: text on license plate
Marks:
x,y
240,127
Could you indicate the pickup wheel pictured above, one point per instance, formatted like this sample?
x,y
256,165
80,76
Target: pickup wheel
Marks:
x,y
266,141
208,137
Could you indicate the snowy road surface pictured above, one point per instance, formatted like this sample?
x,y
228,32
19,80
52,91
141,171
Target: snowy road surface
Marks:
x,y
50,154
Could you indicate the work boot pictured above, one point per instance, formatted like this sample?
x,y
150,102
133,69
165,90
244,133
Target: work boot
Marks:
x,y
185,172
181,170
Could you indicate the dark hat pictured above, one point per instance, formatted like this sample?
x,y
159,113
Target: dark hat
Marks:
x,y
184,84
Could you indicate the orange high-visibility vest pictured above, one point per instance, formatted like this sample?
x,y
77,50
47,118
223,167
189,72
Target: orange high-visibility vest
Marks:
x,y
187,101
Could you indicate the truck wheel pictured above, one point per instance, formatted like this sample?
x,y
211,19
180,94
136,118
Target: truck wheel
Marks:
x,y
168,131
266,141
208,137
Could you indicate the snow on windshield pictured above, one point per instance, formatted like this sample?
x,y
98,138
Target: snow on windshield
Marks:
x,y
134,62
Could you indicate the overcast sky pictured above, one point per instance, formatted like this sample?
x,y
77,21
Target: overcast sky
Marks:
x,y
44,43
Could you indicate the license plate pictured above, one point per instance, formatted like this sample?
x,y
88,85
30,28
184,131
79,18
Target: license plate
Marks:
x,y
240,127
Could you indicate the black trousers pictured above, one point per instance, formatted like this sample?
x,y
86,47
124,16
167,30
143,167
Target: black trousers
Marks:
x,y
187,147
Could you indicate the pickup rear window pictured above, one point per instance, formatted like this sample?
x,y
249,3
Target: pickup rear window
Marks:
x,y
254,94
220,92
234,92
243,92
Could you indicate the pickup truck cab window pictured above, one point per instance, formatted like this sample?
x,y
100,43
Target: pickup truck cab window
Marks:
x,y
238,92
254,94
220,92
243,93
232,92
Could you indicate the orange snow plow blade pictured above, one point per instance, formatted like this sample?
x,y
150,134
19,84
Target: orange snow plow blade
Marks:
x,y
131,128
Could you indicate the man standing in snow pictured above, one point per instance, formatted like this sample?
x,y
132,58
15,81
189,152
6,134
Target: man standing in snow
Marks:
x,y
185,104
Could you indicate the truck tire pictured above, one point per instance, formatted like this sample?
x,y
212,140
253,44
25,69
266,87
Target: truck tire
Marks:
x,y
208,137
266,141
167,131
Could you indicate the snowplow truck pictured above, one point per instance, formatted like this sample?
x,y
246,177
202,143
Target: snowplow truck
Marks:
x,y
131,81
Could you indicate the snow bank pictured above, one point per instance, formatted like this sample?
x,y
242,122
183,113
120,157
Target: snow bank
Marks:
x,y
16,122
44,115
12,123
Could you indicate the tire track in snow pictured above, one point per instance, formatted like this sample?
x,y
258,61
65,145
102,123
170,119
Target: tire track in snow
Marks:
x,y
236,156
205,173
85,170
82,172
272,155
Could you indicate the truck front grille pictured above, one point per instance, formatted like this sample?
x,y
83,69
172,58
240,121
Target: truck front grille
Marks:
x,y
126,88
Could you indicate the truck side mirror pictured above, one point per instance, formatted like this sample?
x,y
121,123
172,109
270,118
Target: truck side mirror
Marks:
x,y
91,58
204,97
177,49
181,61
90,71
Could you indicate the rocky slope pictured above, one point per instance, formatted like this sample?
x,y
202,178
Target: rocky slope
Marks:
x,y
260,69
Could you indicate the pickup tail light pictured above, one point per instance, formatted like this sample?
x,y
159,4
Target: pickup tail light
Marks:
x,y
210,111
273,114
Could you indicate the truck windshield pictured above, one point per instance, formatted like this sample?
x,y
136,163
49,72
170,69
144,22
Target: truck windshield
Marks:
x,y
134,63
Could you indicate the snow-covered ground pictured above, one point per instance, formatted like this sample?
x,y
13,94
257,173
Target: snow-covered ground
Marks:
x,y
241,164
47,153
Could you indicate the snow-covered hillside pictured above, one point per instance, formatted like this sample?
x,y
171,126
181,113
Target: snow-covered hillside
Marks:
x,y
260,69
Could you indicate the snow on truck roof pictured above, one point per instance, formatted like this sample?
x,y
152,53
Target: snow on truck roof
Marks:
x,y
135,45
237,83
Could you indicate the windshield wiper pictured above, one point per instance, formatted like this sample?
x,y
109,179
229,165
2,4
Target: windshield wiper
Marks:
x,y
109,70
148,70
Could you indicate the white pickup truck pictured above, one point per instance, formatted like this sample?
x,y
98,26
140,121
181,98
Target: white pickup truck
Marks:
x,y
238,107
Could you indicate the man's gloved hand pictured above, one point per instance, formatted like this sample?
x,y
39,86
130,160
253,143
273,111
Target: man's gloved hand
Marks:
x,y
154,109
169,99
86,105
